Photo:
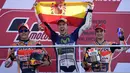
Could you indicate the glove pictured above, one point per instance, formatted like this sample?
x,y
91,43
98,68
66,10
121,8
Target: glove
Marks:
x,y
38,44
8,63
86,66
96,64
90,4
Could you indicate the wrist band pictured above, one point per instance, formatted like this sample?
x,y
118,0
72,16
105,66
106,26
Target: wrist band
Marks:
x,y
90,10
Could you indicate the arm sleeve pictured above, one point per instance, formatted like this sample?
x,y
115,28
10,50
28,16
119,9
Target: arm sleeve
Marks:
x,y
114,48
84,63
123,42
11,54
86,24
122,48
51,33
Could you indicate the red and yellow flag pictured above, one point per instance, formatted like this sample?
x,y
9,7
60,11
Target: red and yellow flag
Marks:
x,y
51,12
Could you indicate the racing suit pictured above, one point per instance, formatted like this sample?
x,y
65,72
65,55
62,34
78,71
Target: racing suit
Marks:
x,y
103,56
66,59
22,56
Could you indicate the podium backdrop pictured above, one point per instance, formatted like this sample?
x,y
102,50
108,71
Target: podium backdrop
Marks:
x,y
112,13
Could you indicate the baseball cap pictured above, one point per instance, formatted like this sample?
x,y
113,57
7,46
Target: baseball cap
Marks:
x,y
101,26
23,25
62,20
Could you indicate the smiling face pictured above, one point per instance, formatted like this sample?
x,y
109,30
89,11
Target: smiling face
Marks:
x,y
99,33
23,33
63,27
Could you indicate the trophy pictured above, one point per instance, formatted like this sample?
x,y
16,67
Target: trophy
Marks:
x,y
93,54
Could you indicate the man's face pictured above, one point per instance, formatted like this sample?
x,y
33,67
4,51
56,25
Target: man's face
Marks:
x,y
99,33
62,28
23,33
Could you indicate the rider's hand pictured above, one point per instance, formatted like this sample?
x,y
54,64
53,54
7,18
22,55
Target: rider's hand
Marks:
x,y
90,5
40,27
8,63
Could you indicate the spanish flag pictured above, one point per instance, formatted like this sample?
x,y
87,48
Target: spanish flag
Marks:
x,y
51,12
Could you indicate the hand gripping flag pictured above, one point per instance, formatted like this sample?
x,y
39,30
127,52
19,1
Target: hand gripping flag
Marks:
x,y
51,12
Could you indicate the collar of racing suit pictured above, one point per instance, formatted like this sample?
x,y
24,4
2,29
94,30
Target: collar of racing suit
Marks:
x,y
25,41
64,35
100,43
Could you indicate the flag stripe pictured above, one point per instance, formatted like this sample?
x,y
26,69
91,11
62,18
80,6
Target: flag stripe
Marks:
x,y
52,19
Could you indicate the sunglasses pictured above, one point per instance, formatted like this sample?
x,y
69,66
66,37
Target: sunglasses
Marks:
x,y
25,30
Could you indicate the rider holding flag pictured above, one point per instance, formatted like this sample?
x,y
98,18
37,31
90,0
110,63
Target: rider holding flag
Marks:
x,y
66,59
